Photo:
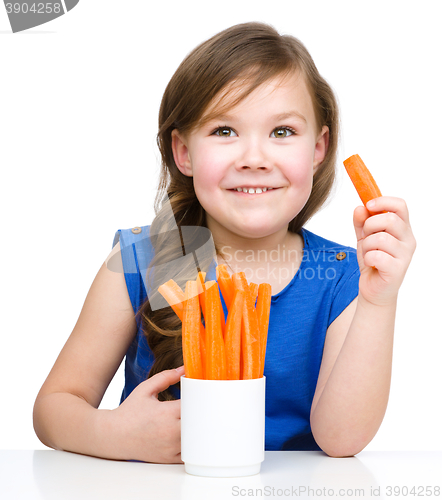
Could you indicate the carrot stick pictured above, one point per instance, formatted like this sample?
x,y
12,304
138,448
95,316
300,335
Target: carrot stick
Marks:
x,y
233,336
225,284
191,332
362,179
201,290
203,307
172,292
250,343
263,313
223,319
203,348
239,281
174,296
215,349
254,291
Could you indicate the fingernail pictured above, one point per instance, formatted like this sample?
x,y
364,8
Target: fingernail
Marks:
x,y
371,204
180,369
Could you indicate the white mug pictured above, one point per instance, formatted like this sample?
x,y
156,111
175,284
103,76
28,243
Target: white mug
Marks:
x,y
222,426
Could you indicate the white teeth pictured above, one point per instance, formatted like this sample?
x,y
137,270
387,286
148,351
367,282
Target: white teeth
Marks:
x,y
253,190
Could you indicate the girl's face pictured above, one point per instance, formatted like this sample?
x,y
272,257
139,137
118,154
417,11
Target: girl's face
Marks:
x,y
253,167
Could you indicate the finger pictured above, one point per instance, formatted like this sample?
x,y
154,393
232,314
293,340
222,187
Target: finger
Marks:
x,y
381,261
389,204
389,222
383,242
360,215
161,381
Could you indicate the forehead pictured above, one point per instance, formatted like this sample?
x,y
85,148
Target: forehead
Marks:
x,y
282,91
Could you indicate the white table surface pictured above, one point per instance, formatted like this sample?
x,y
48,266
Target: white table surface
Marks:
x,y
49,474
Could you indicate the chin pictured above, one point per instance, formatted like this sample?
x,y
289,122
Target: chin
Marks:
x,y
256,230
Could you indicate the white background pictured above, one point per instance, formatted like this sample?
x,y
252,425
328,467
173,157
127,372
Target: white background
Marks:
x,y
79,99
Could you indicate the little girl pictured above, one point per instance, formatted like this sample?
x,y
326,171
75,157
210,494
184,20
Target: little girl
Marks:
x,y
248,134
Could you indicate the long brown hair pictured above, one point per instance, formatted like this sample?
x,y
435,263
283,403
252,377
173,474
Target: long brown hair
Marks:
x,y
245,56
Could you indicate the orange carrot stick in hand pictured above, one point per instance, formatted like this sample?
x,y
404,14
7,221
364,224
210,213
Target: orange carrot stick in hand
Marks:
x,y
191,332
263,313
233,336
215,349
362,179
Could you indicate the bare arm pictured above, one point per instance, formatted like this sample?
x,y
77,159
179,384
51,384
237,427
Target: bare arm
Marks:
x,y
349,406
354,381
65,411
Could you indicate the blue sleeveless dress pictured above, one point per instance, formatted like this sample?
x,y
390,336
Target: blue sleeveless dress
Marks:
x,y
326,282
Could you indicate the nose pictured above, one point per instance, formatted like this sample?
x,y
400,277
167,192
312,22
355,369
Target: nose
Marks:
x,y
253,156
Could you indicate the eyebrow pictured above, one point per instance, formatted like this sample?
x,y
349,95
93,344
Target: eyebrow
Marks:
x,y
278,117
290,114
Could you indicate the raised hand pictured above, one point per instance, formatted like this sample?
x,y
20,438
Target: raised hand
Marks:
x,y
385,247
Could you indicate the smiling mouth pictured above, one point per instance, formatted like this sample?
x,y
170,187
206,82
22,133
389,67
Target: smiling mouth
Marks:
x,y
253,190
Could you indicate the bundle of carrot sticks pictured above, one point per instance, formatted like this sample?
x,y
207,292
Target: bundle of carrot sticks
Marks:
x,y
231,348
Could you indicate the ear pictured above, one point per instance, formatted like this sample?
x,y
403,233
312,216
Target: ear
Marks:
x,y
181,153
321,148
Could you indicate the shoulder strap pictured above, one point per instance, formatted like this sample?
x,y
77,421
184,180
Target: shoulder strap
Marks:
x,y
136,253
136,249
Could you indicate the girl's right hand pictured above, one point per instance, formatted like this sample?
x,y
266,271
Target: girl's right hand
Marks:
x,y
148,429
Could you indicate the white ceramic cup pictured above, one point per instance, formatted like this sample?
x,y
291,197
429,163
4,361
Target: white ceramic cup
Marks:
x,y
222,426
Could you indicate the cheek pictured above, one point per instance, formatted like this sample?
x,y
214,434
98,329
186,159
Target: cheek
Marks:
x,y
206,178
208,170
299,167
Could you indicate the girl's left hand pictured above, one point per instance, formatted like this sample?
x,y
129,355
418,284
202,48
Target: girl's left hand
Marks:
x,y
385,247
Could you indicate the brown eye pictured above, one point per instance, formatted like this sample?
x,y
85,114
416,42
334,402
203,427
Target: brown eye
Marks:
x,y
224,132
282,132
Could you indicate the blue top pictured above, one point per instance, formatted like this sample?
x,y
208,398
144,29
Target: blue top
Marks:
x,y
326,282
